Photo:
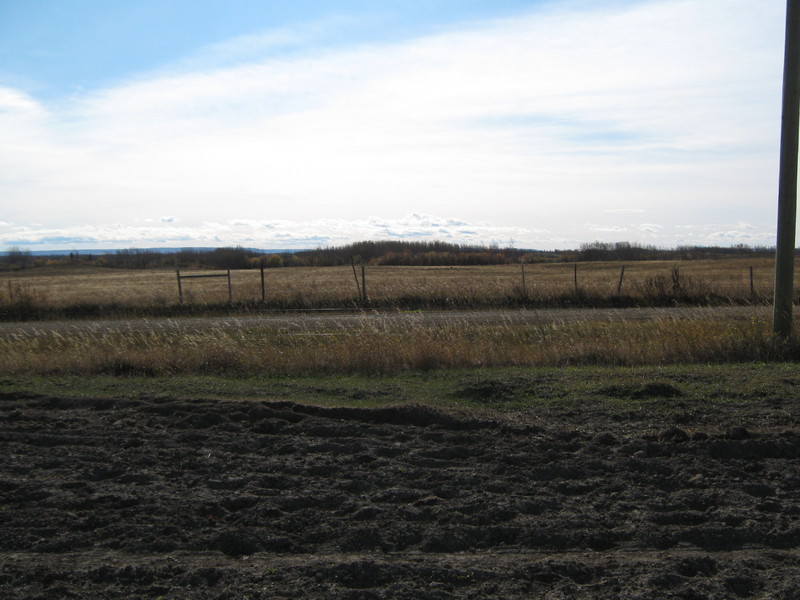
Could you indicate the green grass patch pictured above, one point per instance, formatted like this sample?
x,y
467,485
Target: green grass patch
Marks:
x,y
503,390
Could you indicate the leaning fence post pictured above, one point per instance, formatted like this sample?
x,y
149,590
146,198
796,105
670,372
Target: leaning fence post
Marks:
x,y
358,285
180,289
621,275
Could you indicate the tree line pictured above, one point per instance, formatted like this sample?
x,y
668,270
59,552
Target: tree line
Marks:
x,y
626,251
376,253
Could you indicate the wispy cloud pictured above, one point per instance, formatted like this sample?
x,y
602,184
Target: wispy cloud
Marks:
x,y
662,106
253,47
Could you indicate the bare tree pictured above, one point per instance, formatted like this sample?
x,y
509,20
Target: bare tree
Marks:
x,y
17,258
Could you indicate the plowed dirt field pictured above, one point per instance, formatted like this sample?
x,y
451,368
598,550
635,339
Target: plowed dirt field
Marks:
x,y
172,498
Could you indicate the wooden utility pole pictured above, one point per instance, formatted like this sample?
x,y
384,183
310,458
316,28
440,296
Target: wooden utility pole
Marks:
x,y
787,182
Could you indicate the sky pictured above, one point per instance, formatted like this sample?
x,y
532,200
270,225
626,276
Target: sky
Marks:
x,y
541,124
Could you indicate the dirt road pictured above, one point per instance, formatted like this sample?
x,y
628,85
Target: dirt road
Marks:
x,y
171,498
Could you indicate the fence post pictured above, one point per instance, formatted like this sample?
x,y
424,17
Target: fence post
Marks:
x,y
752,287
575,276
621,275
230,289
364,284
358,285
180,289
524,288
263,287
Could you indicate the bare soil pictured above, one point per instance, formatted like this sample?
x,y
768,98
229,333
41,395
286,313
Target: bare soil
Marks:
x,y
173,498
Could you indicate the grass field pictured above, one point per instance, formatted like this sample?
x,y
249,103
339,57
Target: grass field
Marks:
x,y
374,346
82,291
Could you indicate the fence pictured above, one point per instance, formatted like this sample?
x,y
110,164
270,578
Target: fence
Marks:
x,y
392,285
227,275
34,293
204,276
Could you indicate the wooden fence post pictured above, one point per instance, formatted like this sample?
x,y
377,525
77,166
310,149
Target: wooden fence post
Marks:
x,y
524,288
180,289
263,287
752,287
575,276
358,285
364,284
621,275
230,289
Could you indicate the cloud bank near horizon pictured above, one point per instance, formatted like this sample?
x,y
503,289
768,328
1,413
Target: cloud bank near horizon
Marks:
x,y
652,121
297,235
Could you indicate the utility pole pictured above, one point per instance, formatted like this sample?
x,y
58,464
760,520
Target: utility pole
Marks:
x,y
787,181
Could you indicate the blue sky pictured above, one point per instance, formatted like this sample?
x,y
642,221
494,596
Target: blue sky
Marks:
x,y
541,124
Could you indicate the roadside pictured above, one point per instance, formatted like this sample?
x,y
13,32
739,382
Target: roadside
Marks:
x,y
704,390
314,320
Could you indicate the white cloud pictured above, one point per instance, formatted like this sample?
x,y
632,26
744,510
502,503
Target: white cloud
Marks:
x,y
611,229
650,228
282,233
18,105
666,106
265,233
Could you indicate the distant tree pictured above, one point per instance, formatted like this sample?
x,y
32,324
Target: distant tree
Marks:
x,y
17,258
229,258
274,261
134,258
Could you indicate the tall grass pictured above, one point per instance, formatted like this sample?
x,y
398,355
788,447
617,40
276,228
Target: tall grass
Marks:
x,y
375,346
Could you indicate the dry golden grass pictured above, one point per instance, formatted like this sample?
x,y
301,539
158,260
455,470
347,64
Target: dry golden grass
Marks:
x,y
385,346
308,287
377,345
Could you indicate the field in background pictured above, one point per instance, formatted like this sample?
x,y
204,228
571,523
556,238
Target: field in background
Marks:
x,y
85,291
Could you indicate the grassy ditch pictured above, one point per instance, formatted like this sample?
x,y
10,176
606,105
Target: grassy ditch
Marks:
x,y
377,346
675,388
